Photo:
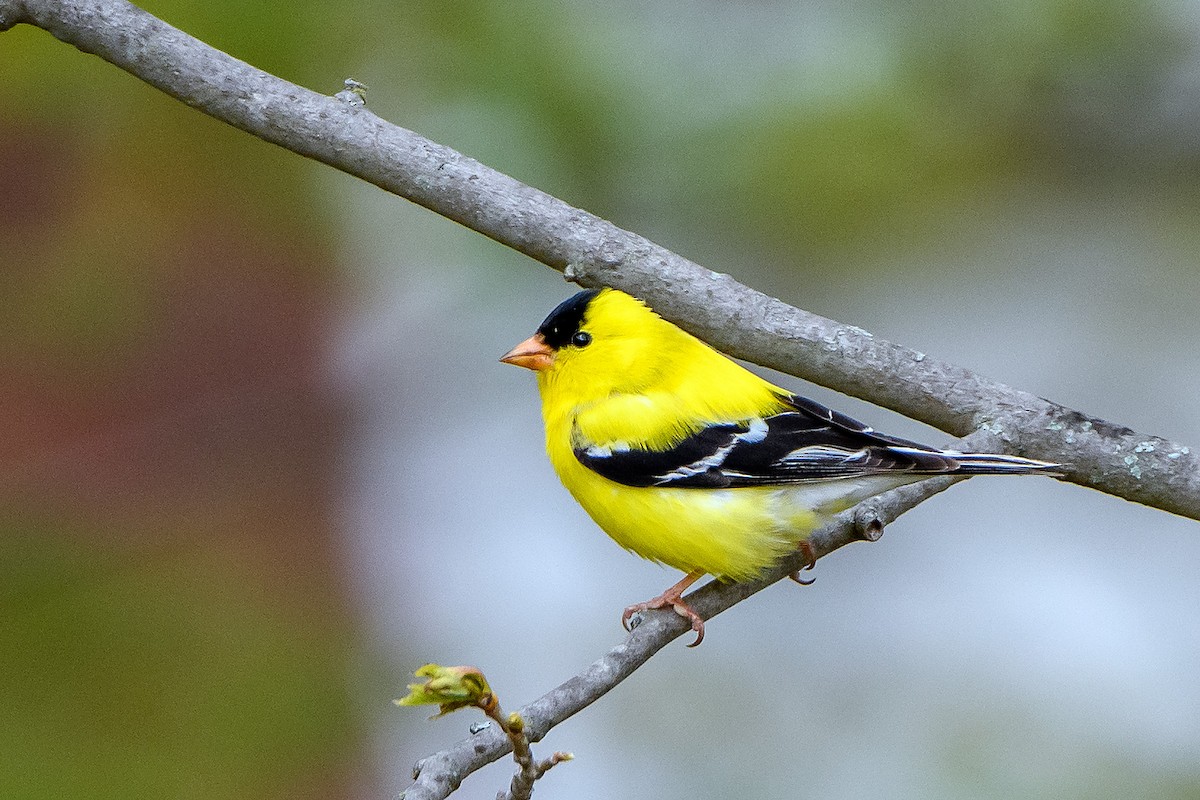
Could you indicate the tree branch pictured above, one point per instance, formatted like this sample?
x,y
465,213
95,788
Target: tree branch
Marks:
x,y
438,775
592,252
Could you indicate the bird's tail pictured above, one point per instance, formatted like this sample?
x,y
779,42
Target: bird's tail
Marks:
x,y
995,464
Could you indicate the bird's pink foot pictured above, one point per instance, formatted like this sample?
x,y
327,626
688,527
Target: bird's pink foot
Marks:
x,y
672,598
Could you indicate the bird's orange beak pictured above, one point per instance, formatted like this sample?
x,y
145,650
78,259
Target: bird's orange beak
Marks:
x,y
533,353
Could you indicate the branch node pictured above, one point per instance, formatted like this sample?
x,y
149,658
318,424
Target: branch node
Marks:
x,y
355,93
868,525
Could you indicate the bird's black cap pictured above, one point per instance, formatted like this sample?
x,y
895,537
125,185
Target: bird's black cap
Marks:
x,y
564,321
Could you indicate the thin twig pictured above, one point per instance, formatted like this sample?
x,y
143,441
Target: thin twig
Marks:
x,y
528,770
452,688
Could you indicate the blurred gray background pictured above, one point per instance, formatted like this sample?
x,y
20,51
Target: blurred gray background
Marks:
x,y
264,462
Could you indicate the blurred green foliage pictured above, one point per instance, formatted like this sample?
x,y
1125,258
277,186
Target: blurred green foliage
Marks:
x,y
175,676
172,620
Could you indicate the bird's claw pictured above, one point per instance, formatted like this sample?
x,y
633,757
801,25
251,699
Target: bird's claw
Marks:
x,y
810,561
628,614
685,611
796,577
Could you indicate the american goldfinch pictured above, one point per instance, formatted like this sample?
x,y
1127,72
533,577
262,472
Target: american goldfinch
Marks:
x,y
688,459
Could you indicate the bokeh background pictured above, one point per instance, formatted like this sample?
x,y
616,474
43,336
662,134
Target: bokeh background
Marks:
x,y
259,462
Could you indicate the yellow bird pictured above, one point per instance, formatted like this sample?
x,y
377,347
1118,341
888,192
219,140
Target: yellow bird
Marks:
x,y
688,459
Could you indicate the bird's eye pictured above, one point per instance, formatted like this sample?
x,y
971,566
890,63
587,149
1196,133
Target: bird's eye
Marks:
x,y
581,339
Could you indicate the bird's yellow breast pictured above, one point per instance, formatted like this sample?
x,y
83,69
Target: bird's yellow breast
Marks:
x,y
728,533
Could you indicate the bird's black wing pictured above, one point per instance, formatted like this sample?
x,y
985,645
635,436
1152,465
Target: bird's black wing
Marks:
x,y
810,442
